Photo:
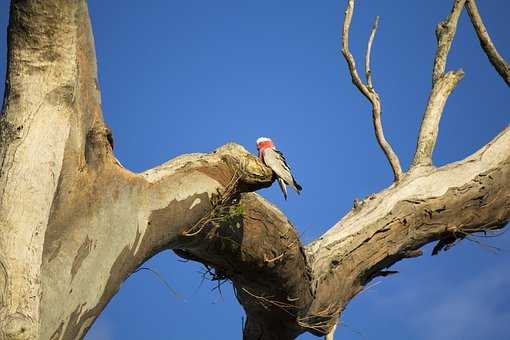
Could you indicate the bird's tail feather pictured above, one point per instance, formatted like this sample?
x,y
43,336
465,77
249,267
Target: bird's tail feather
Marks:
x,y
281,182
296,186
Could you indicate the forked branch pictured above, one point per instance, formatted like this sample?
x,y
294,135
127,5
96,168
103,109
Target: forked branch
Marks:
x,y
442,85
445,32
368,90
495,58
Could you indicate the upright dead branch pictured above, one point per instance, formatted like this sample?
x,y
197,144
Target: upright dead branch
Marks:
x,y
368,71
492,53
368,91
430,124
442,85
445,32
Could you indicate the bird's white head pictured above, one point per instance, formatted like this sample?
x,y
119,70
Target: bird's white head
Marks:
x,y
264,143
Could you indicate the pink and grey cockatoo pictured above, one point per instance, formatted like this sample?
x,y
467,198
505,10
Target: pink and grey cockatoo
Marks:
x,y
274,159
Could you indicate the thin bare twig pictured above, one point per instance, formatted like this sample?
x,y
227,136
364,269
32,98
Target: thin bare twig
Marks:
x,y
442,86
286,307
322,321
368,71
492,53
266,260
368,90
162,279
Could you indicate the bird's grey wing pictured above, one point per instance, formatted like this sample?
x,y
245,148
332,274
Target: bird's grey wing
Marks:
x,y
294,184
276,161
282,157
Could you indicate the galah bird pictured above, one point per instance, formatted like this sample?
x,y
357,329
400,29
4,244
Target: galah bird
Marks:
x,y
274,159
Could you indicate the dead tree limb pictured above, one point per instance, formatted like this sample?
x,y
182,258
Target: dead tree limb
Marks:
x,y
442,85
368,70
429,129
488,46
368,91
398,221
445,32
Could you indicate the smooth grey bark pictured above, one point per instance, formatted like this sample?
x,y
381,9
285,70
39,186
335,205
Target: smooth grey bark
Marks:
x,y
75,224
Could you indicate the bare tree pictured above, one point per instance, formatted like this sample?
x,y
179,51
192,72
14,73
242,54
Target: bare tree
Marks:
x,y
64,196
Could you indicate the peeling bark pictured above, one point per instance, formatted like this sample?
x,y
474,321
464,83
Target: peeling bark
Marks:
x,y
75,224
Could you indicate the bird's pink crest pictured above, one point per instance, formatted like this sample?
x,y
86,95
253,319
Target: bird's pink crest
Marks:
x,y
264,143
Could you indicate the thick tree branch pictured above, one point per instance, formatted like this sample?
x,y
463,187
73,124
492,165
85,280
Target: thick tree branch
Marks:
x,y
368,91
453,201
488,46
442,85
137,216
430,124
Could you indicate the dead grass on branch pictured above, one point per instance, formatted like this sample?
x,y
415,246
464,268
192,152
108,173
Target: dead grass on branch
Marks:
x,y
223,209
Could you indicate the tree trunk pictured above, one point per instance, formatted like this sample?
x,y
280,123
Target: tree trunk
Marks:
x,y
75,223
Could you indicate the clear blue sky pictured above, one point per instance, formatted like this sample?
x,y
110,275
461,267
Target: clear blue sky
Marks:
x,y
188,76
